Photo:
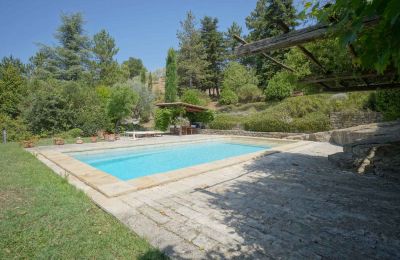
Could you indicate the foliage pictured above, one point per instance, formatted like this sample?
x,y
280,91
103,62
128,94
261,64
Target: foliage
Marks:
x,y
74,133
143,76
143,107
230,42
387,101
312,122
135,66
191,63
171,77
195,97
280,86
150,82
52,208
12,87
106,69
16,128
162,119
237,75
69,60
226,122
213,43
378,46
49,111
249,93
228,97
261,24
204,117
121,104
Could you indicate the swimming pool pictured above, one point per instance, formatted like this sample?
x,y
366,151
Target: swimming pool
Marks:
x,y
139,162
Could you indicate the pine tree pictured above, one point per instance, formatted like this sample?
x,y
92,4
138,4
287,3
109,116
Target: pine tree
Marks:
x,y
192,63
215,52
171,77
135,66
262,23
104,66
69,60
230,42
150,82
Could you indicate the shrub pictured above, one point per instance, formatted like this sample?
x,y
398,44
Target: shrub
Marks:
x,y
162,119
280,86
249,93
16,128
388,102
228,97
266,122
225,122
313,122
75,132
195,97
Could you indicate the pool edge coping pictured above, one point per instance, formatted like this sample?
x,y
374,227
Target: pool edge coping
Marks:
x,y
111,186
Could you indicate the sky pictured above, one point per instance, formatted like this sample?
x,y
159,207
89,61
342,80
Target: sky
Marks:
x,y
142,28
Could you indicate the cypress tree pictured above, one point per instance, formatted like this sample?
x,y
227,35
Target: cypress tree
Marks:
x,y
171,77
150,83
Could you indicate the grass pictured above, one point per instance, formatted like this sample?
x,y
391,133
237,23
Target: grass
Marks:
x,y
42,216
308,113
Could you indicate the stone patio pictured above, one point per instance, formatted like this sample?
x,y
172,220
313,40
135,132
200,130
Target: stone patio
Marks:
x,y
293,204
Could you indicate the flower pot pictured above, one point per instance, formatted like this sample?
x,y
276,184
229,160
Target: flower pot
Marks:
x,y
111,137
79,140
93,139
28,144
58,141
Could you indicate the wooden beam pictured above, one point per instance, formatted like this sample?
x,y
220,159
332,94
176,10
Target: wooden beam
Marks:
x,y
371,86
243,41
319,79
291,39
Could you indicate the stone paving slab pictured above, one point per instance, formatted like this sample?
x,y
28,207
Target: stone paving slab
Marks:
x,y
288,205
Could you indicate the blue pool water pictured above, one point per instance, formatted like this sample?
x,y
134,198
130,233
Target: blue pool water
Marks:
x,y
131,164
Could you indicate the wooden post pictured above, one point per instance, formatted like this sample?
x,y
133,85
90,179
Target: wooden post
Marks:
x,y
4,136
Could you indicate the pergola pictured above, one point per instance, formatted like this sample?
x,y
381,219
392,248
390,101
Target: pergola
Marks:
x,y
352,81
187,107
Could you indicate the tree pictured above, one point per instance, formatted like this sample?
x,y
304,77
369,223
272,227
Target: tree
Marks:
x,y
171,77
104,65
121,104
69,60
230,42
12,86
215,52
49,112
237,75
262,23
135,66
192,63
150,83
143,76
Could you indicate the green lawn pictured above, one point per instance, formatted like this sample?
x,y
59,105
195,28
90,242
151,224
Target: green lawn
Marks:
x,y
42,216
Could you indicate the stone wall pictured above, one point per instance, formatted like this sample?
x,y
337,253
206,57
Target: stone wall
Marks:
x,y
341,120
246,133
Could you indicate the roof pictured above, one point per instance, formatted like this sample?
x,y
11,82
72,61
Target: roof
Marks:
x,y
186,106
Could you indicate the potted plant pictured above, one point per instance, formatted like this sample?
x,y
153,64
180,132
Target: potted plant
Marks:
x,y
93,139
29,141
79,140
58,141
